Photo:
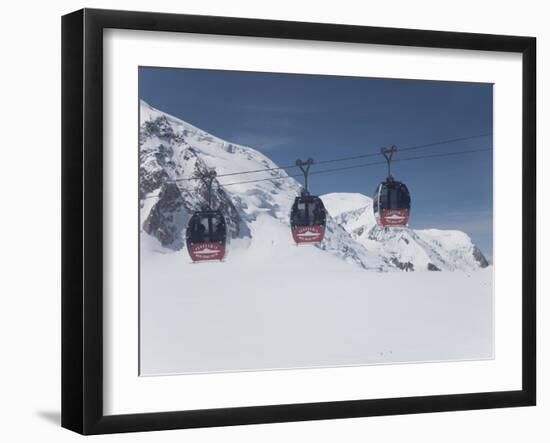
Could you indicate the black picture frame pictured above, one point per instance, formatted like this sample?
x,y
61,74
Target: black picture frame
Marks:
x,y
82,215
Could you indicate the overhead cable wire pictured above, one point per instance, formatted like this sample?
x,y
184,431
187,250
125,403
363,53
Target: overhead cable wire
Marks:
x,y
345,168
342,159
363,165
409,148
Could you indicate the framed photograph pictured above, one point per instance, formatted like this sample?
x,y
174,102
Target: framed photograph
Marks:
x,y
269,221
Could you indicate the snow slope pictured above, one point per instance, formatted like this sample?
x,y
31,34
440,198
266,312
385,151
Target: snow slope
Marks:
x,y
265,309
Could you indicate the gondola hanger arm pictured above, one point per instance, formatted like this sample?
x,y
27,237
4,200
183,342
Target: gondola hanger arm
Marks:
x,y
304,167
207,177
388,155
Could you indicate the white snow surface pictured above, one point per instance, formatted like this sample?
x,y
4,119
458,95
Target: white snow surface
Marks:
x,y
271,304
268,307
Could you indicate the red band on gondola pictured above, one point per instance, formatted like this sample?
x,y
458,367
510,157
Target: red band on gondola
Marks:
x,y
394,217
308,234
207,251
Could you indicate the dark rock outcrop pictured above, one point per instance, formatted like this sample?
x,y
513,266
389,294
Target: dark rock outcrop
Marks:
x,y
167,218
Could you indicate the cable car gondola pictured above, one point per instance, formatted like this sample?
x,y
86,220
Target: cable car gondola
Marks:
x,y
206,232
392,200
308,214
206,236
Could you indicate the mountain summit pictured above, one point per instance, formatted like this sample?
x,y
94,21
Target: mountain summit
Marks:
x,y
172,152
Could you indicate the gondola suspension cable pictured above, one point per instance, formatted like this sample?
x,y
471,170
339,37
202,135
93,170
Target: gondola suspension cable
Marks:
x,y
345,168
341,159
409,148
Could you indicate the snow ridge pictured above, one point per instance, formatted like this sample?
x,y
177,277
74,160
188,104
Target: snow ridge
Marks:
x,y
407,249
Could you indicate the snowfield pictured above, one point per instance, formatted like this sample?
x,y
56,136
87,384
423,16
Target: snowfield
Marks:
x,y
271,304
275,305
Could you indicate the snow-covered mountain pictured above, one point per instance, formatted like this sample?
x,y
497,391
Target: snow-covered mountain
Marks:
x,y
257,212
407,249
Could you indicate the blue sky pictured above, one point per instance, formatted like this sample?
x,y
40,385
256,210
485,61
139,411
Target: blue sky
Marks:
x,y
288,116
